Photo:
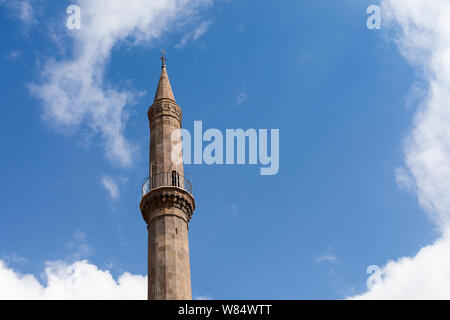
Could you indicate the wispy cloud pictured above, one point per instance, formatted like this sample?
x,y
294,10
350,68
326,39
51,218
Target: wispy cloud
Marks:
x,y
73,91
328,256
25,11
416,95
111,187
203,297
325,257
13,55
21,9
14,258
194,35
404,179
77,247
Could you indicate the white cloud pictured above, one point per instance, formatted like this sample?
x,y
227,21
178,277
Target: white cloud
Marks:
x,y
206,297
328,256
26,11
73,278
424,276
418,92
111,187
422,33
77,247
80,280
331,257
13,55
14,258
194,35
22,10
424,41
404,179
73,91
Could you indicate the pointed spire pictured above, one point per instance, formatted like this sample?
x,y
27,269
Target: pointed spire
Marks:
x,y
163,58
164,90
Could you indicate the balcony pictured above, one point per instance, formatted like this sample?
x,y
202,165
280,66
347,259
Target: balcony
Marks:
x,y
166,179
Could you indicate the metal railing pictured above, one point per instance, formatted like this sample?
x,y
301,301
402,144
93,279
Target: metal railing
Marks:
x,y
166,179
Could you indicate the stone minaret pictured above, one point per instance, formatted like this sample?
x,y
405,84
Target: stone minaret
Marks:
x,y
167,204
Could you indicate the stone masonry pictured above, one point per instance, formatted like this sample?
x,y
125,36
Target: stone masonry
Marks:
x,y
168,206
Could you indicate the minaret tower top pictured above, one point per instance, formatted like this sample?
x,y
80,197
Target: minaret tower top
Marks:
x,y
164,90
163,58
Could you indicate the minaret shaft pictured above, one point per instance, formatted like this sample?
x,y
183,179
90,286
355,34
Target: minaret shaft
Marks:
x,y
169,276
168,205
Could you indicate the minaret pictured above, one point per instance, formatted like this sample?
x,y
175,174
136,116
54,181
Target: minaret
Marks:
x,y
167,204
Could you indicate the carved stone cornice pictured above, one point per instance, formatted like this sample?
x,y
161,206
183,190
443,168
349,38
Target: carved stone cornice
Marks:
x,y
166,198
165,107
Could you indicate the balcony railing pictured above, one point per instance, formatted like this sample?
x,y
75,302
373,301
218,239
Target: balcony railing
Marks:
x,y
166,179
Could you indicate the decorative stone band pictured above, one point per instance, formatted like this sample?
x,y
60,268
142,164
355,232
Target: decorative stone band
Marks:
x,y
166,198
165,107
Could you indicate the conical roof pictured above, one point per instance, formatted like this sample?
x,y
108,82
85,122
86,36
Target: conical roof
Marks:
x,y
164,90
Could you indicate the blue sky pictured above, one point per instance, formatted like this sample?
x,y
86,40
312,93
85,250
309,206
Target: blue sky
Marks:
x,y
338,92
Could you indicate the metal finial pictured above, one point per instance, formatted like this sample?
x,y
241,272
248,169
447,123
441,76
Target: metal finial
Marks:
x,y
163,58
